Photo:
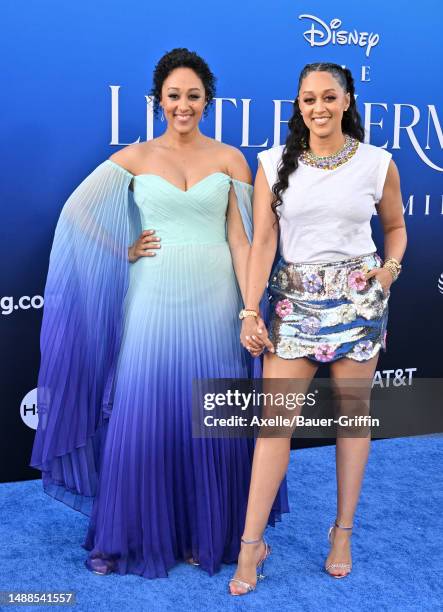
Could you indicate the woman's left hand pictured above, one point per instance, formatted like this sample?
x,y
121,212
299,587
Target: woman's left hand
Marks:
x,y
383,276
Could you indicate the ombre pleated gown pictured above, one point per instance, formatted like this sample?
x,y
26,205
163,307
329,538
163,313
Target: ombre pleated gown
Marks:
x,y
115,433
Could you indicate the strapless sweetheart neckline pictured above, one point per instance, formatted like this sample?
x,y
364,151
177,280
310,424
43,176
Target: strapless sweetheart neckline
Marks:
x,y
205,178
162,178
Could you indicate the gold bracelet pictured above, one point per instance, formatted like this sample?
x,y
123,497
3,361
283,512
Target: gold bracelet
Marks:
x,y
394,261
393,266
392,270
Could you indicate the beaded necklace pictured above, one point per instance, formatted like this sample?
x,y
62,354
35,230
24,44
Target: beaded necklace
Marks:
x,y
330,162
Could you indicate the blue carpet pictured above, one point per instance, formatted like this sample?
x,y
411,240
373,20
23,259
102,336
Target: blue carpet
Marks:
x,y
397,545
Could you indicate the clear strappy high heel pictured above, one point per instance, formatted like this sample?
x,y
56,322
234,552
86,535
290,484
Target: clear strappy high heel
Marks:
x,y
343,566
260,567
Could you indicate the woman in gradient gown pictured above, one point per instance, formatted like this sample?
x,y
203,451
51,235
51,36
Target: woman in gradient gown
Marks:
x,y
125,331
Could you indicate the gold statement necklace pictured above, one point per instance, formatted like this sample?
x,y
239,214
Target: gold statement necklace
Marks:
x,y
330,162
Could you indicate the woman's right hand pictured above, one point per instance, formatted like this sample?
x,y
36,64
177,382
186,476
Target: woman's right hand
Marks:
x,y
143,246
254,336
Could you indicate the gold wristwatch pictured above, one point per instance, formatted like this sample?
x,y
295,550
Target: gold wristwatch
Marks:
x,y
247,313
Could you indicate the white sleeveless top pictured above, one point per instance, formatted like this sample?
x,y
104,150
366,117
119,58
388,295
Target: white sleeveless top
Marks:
x,y
325,215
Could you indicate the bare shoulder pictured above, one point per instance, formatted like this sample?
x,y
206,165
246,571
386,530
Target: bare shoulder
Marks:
x,y
392,168
132,156
392,175
235,163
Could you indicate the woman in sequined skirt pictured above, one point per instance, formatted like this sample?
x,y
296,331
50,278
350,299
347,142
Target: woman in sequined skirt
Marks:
x,y
314,198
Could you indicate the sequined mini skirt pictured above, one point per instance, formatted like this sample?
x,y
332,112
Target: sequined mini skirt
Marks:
x,y
325,311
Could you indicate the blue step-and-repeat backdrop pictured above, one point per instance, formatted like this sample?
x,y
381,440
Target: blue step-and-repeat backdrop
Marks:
x,y
75,82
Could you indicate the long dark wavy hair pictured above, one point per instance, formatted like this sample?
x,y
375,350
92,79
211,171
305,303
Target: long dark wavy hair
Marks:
x,y
298,136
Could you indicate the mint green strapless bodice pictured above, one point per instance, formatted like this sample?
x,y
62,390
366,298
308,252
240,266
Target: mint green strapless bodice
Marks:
x,y
195,216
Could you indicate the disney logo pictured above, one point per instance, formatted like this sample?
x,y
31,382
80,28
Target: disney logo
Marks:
x,y
325,34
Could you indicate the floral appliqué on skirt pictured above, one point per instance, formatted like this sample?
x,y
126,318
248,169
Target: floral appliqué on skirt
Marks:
x,y
325,311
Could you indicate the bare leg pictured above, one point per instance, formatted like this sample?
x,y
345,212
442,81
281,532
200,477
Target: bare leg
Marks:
x,y
271,456
351,459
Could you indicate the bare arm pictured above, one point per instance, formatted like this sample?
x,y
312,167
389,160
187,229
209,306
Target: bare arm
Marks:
x,y
237,239
264,243
254,336
390,211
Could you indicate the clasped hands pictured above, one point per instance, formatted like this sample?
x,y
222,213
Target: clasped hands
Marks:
x,y
254,336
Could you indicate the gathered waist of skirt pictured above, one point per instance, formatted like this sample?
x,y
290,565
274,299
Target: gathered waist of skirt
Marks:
x,y
347,261
327,280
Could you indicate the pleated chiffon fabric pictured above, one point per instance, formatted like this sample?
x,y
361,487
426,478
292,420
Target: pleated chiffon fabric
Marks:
x,y
121,344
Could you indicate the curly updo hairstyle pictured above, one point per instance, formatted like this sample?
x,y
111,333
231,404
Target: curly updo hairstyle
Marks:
x,y
182,58
298,135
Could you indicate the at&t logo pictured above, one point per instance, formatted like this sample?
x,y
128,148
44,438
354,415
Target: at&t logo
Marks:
x,y
401,377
